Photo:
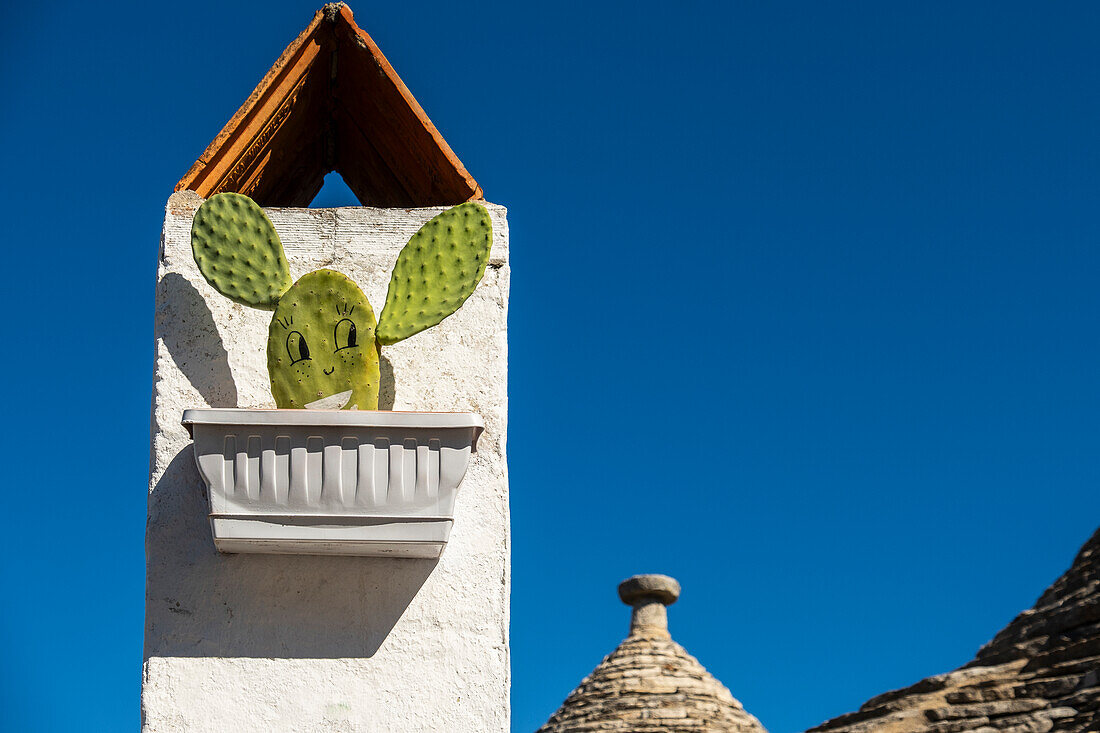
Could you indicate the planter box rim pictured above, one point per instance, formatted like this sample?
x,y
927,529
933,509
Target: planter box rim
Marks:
x,y
334,418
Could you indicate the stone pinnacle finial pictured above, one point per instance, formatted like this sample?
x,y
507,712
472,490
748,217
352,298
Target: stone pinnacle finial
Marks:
x,y
649,595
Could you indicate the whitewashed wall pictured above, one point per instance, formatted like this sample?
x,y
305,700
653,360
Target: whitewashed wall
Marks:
x,y
295,643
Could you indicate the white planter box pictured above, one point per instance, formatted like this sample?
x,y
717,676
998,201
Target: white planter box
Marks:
x,y
319,482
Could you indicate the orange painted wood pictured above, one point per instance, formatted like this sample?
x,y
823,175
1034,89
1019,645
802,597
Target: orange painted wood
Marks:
x,y
332,102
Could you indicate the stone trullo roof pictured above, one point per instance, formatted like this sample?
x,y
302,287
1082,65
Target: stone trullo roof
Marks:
x,y
1041,674
650,683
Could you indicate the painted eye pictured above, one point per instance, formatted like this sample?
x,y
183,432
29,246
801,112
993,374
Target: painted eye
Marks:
x,y
297,347
344,334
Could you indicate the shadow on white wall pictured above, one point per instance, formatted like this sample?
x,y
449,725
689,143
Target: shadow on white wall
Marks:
x,y
271,606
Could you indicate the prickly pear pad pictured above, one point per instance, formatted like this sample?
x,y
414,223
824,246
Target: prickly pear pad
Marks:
x,y
239,252
321,348
436,271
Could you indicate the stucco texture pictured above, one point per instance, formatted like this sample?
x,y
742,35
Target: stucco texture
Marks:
x,y
300,643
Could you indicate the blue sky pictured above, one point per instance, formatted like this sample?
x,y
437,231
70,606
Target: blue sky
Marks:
x,y
826,277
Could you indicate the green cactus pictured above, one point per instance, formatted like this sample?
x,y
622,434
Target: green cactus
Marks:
x,y
239,252
321,349
323,341
436,272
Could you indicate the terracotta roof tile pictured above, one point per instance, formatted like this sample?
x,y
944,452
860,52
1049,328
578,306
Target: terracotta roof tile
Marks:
x,y
332,102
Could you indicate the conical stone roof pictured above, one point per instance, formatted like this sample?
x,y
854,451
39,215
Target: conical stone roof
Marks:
x,y
1040,674
650,683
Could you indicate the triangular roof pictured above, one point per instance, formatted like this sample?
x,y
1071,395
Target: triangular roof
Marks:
x,y
332,102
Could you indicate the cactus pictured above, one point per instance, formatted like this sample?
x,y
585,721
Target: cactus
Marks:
x,y
239,252
321,349
323,341
436,272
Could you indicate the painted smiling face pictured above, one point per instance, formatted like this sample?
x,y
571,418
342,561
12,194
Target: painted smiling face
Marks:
x,y
323,341
321,348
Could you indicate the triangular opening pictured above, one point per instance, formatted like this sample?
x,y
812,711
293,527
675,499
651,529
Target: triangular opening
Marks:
x,y
332,102
334,193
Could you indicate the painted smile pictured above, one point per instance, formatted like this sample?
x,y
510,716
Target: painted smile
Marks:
x,y
329,371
